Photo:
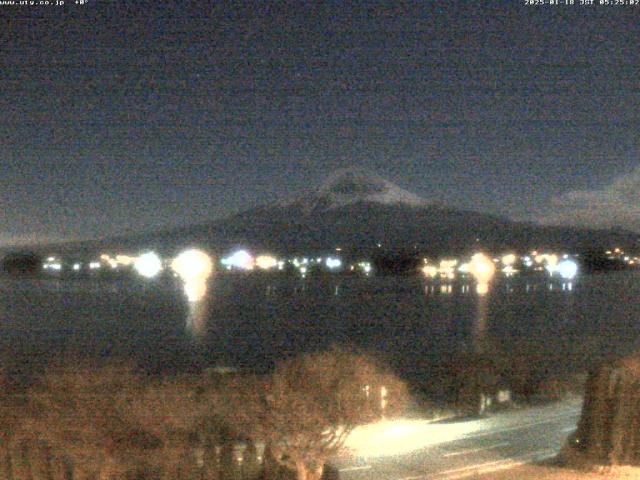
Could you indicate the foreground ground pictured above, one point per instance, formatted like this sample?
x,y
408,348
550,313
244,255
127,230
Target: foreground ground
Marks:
x,y
531,472
419,450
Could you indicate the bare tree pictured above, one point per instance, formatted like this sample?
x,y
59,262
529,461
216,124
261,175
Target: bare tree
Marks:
x,y
8,421
307,407
84,412
173,411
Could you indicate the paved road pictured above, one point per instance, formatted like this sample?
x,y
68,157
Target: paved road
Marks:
x,y
417,450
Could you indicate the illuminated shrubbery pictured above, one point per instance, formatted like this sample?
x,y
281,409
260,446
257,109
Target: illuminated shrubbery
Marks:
x,y
84,413
94,421
305,410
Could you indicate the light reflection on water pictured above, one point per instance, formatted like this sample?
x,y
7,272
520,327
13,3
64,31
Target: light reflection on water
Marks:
x,y
245,320
197,318
479,329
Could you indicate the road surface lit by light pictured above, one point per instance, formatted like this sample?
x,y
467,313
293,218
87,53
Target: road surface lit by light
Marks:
x,y
397,437
410,449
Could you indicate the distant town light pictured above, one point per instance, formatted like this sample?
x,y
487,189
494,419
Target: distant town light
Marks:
x,y
333,262
483,269
76,267
365,267
447,269
430,271
240,259
551,263
509,270
52,266
192,264
195,268
125,260
446,264
567,269
266,262
508,259
148,265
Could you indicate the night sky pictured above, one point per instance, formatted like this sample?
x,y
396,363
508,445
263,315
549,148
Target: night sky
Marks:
x,y
123,116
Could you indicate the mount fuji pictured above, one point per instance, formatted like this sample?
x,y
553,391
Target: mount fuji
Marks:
x,y
362,213
353,185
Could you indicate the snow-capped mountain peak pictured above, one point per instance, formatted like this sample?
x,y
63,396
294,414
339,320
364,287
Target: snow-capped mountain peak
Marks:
x,y
354,185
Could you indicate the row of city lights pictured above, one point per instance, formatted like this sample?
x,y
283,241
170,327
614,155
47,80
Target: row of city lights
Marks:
x,y
619,254
244,261
149,264
194,267
484,268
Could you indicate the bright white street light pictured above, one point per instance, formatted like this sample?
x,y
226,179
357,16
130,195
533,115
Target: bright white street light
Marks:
x,y
483,269
240,259
194,268
567,269
333,263
192,264
148,265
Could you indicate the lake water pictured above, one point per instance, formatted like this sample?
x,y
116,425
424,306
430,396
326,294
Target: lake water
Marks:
x,y
252,321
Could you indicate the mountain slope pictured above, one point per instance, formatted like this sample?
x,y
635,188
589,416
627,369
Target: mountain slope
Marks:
x,y
358,211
